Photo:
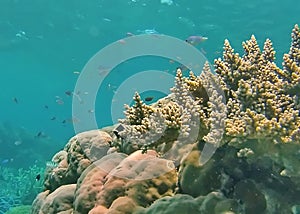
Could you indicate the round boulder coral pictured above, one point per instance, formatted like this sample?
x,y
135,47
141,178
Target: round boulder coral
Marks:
x,y
78,154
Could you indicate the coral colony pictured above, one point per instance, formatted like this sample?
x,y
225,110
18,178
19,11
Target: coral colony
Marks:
x,y
18,187
123,169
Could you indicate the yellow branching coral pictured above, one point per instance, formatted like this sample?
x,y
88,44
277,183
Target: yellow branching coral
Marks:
x,y
259,106
227,68
136,113
187,116
268,52
252,51
291,62
171,112
256,105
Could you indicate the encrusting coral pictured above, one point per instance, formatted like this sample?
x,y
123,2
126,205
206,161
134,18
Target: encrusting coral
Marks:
x,y
249,114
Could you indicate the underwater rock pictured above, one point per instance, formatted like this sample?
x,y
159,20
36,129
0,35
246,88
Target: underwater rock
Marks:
x,y
179,203
78,154
213,203
123,205
92,180
197,180
61,200
141,177
115,183
252,198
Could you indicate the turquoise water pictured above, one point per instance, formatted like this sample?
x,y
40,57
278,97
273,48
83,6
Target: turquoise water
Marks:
x,y
43,44
61,36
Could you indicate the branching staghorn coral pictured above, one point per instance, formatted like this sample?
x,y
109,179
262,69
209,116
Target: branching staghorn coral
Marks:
x,y
179,120
259,106
216,106
291,63
136,113
161,124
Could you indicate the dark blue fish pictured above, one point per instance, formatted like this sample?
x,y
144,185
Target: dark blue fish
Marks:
x,y
148,99
15,100
38,177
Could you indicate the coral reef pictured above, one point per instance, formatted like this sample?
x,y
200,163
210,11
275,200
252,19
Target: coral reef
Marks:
x,y
259,107
115,182
177,122
77,155
18,186
7,202
214,202
58,201
223,143
262,102
23,209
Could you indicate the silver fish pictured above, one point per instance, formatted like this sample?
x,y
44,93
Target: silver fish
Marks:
x,y
147,31
195,40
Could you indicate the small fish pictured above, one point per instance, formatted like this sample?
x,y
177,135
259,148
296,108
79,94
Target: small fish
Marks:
x,y
53,118
69,93
5,161
21,34
76,72
18,142
15,100
106,19
59,101
148,99
71,120
129,34
40,134
148,31
46,107
38,177
195,40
